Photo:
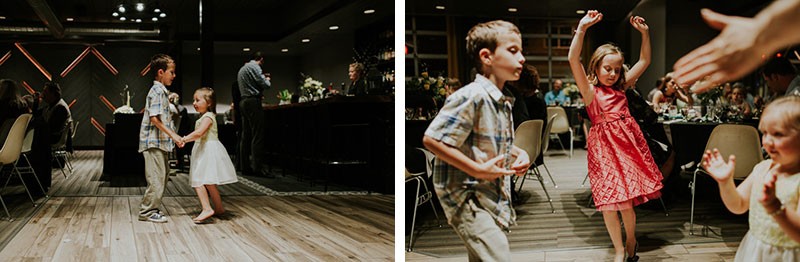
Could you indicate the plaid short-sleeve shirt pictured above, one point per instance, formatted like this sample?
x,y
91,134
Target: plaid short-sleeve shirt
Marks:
x,y
157,105
477,120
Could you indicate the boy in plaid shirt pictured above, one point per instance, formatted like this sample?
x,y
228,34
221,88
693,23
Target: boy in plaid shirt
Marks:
x,y
472,138
156,137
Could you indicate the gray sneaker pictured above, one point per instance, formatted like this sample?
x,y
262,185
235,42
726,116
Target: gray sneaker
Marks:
x,y
155,217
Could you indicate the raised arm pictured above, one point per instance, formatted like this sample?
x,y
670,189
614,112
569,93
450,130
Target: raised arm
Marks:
x,y
736,199
684,96
591,18
788,218
644,53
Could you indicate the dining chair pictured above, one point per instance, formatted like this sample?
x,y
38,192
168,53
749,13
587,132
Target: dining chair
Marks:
x,y
426,196
560,126
730,139
528,137
27,145
10,152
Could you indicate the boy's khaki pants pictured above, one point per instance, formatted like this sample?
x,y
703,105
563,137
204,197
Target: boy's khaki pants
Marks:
x,y
485,240
156,170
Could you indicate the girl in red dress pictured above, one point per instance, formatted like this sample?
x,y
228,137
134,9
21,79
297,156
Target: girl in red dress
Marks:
x,y
621,170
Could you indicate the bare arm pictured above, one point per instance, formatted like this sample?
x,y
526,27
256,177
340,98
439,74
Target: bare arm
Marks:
x,y
200,131
451,155
789,220
683,96
657,100
644,53
160,125
574,56
736,199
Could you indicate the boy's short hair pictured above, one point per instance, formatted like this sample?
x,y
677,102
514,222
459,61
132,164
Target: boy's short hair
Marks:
x,y
160,61
484,35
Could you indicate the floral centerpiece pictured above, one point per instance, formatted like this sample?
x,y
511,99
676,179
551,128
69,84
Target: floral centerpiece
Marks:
x,y
710,96
427,85
311,89
571,91
285,97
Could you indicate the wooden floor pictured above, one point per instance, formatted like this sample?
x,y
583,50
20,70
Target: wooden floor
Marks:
x,y
87,220
576,232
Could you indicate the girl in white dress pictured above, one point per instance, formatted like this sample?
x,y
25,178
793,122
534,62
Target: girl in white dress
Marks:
x,y
772,190
211,165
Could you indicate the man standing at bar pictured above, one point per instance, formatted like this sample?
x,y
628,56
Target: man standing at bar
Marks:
x,y
252,82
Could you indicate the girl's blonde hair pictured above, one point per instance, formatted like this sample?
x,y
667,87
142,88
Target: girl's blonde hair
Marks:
x,y
788,108
597,57
208,95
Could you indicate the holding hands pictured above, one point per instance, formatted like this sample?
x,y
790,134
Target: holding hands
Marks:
x,y
715,165
491,168
179,141
592,17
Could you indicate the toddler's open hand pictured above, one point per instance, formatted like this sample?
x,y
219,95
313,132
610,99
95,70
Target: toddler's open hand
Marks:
x,y
715,165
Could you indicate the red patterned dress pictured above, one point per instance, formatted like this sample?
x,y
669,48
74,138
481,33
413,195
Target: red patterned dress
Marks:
x,y
621,169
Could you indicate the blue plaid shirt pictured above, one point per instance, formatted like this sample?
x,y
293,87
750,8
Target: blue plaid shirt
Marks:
x,y
157,105
476,119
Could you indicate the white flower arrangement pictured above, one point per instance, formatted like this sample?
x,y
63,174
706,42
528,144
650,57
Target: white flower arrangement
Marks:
x,y
311,87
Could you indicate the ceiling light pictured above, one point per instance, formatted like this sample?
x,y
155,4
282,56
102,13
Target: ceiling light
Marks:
x,y
70,19
369,11
2,17
334,27
284,50
198,49
114,14
440,7
511,9
122,18
157,10
305,40
162,15
121,9
155,19
580,12
138,20
246,49
139,7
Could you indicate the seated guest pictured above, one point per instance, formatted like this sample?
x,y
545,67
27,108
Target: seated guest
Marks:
x,y
358,83
738,103
11,105
56,114
555,96
781,78
668,92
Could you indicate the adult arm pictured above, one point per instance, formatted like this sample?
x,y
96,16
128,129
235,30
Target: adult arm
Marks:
x,y
737,50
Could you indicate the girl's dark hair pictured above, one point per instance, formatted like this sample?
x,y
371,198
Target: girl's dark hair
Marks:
x,y
210,97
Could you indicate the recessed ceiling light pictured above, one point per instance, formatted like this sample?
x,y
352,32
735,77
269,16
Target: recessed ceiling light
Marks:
x,y
2,17
138,20
155,19
511,9
440,7
157,10
162,15
121,9
305,40
114,14
284,50
369,11
139,7
198,49
70,19
334,27
246,49
580,12
122,18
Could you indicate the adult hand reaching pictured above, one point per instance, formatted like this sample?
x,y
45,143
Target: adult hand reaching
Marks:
x,y
715,165
736,51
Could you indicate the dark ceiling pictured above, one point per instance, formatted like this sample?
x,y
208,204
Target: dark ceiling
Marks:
x,y
613,10
248,21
